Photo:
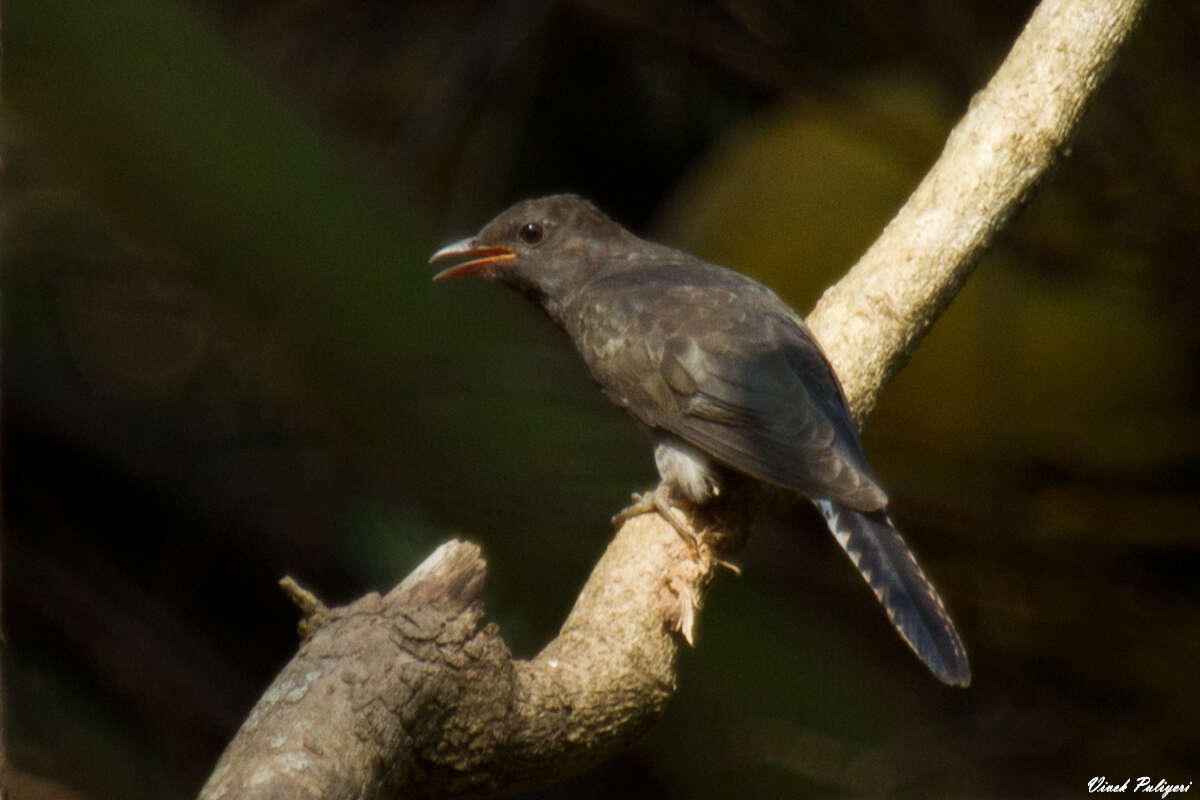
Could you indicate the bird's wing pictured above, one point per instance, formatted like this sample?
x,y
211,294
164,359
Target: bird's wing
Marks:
x,y
730,369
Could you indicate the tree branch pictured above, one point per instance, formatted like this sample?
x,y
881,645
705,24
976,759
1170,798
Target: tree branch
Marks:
x,y
1015,129
413,693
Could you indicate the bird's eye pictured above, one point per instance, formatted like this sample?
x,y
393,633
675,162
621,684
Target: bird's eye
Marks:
x,y
530,233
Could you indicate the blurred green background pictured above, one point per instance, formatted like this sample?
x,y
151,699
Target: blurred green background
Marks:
x,y
224,362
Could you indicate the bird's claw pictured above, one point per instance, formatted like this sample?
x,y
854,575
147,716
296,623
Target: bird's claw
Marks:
x,y
659,501
640,503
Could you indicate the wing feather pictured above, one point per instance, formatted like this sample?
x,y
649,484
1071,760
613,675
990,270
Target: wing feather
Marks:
x,y
743,381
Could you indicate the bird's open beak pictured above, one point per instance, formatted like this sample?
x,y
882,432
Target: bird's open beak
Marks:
x,y
479,260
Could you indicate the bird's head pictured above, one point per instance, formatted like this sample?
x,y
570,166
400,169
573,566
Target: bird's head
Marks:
x,y
546,247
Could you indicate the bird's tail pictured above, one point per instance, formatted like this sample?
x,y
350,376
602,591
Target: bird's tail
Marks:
x,y
912,604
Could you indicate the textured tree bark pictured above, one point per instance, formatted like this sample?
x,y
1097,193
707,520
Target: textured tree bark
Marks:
x,y
412,693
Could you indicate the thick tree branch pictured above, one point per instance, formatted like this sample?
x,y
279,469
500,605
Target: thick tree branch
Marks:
x,y
412,693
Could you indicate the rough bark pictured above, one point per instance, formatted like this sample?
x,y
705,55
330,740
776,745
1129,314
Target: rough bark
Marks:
x,y
413,694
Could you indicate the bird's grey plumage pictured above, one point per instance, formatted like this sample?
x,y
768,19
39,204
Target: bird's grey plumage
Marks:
x,y
888,566
682,349
724,373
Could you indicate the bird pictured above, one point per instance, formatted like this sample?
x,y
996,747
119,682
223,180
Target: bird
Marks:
x,y
725,375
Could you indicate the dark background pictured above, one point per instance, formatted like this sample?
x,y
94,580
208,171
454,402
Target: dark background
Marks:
x,y
224,362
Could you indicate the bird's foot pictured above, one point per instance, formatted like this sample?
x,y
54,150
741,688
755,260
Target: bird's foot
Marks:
x,y
659,501
639,503
720,562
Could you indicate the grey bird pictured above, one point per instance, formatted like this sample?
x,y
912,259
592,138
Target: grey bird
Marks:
x,y
726,376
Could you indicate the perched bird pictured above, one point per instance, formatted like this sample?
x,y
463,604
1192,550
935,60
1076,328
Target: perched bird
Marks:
x,y
725,375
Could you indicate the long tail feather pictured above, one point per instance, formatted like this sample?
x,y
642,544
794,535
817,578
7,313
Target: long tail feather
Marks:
x,y
912,604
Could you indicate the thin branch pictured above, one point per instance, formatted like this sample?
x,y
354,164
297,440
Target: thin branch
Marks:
x,y
1016,128
413,693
